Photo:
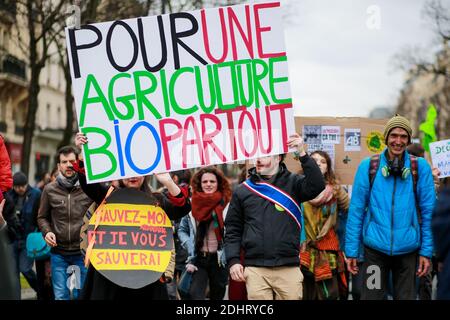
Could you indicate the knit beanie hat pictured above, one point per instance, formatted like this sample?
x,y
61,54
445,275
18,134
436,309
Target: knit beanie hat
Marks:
x,y
397,122
20,179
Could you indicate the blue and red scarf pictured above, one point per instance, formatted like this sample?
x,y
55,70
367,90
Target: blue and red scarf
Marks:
x,y
277,197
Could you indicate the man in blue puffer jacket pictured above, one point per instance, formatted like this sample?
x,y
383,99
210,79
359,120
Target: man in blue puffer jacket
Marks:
x,y
385,214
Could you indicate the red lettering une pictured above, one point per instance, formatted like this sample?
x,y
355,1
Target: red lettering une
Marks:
x,y
233,25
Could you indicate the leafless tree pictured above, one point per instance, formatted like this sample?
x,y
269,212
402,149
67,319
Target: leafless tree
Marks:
x,y
419,66
40,17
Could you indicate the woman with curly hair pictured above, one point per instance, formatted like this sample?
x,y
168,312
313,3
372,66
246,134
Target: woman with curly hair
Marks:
x,y
202,231
322,261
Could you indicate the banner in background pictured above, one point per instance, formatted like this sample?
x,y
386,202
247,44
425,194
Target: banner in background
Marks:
x,y
440,156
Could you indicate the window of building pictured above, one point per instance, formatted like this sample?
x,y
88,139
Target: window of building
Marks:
x,y
48,114
19,114
59,78
42,163
2,111
48,73
3,126
59,117
4,39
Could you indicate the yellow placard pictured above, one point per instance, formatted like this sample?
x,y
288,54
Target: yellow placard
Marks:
x,y
150,260
132,216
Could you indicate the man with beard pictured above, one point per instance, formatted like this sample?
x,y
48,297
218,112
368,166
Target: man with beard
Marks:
x,y
63,205
265,221
390,211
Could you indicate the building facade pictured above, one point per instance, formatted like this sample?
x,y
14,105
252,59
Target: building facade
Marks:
x,y
14,81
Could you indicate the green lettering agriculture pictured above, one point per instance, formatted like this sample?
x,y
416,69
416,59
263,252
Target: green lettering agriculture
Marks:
x,y
245,77
206,79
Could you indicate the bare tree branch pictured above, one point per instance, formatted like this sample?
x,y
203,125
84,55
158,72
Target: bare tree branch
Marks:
x,y
428,77
439,17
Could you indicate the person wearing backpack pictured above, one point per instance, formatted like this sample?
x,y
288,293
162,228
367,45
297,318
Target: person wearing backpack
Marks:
x,y
390,212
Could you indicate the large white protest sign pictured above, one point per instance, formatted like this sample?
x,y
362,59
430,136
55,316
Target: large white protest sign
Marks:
x,y
183,90
440,156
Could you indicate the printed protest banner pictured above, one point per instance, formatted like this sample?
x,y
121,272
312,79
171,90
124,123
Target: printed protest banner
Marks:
x,y
346,161
352,139
440,156
133,240
331,134
327,147
182,90
312,134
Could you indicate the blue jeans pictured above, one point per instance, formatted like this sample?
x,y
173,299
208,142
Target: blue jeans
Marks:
x,y
24,264
62,268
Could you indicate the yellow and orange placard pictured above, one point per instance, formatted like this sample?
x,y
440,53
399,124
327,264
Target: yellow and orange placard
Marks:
x,y
133,239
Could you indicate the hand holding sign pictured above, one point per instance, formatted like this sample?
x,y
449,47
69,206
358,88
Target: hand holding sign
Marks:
x,y
296,141
166,180
80,140
436,172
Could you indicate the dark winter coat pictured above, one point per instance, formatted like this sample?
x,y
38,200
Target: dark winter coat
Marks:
x,y
441,231
269,237
29,212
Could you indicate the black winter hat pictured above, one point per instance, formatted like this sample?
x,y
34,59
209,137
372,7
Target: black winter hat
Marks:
x,y
20,179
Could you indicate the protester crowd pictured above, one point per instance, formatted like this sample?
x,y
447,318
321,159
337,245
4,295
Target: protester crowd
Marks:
x,y
276,235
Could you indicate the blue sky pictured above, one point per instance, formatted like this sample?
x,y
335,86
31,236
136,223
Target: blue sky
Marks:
x,y
339,66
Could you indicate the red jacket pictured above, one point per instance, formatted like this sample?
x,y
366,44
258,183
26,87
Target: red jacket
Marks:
x,y
6,180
